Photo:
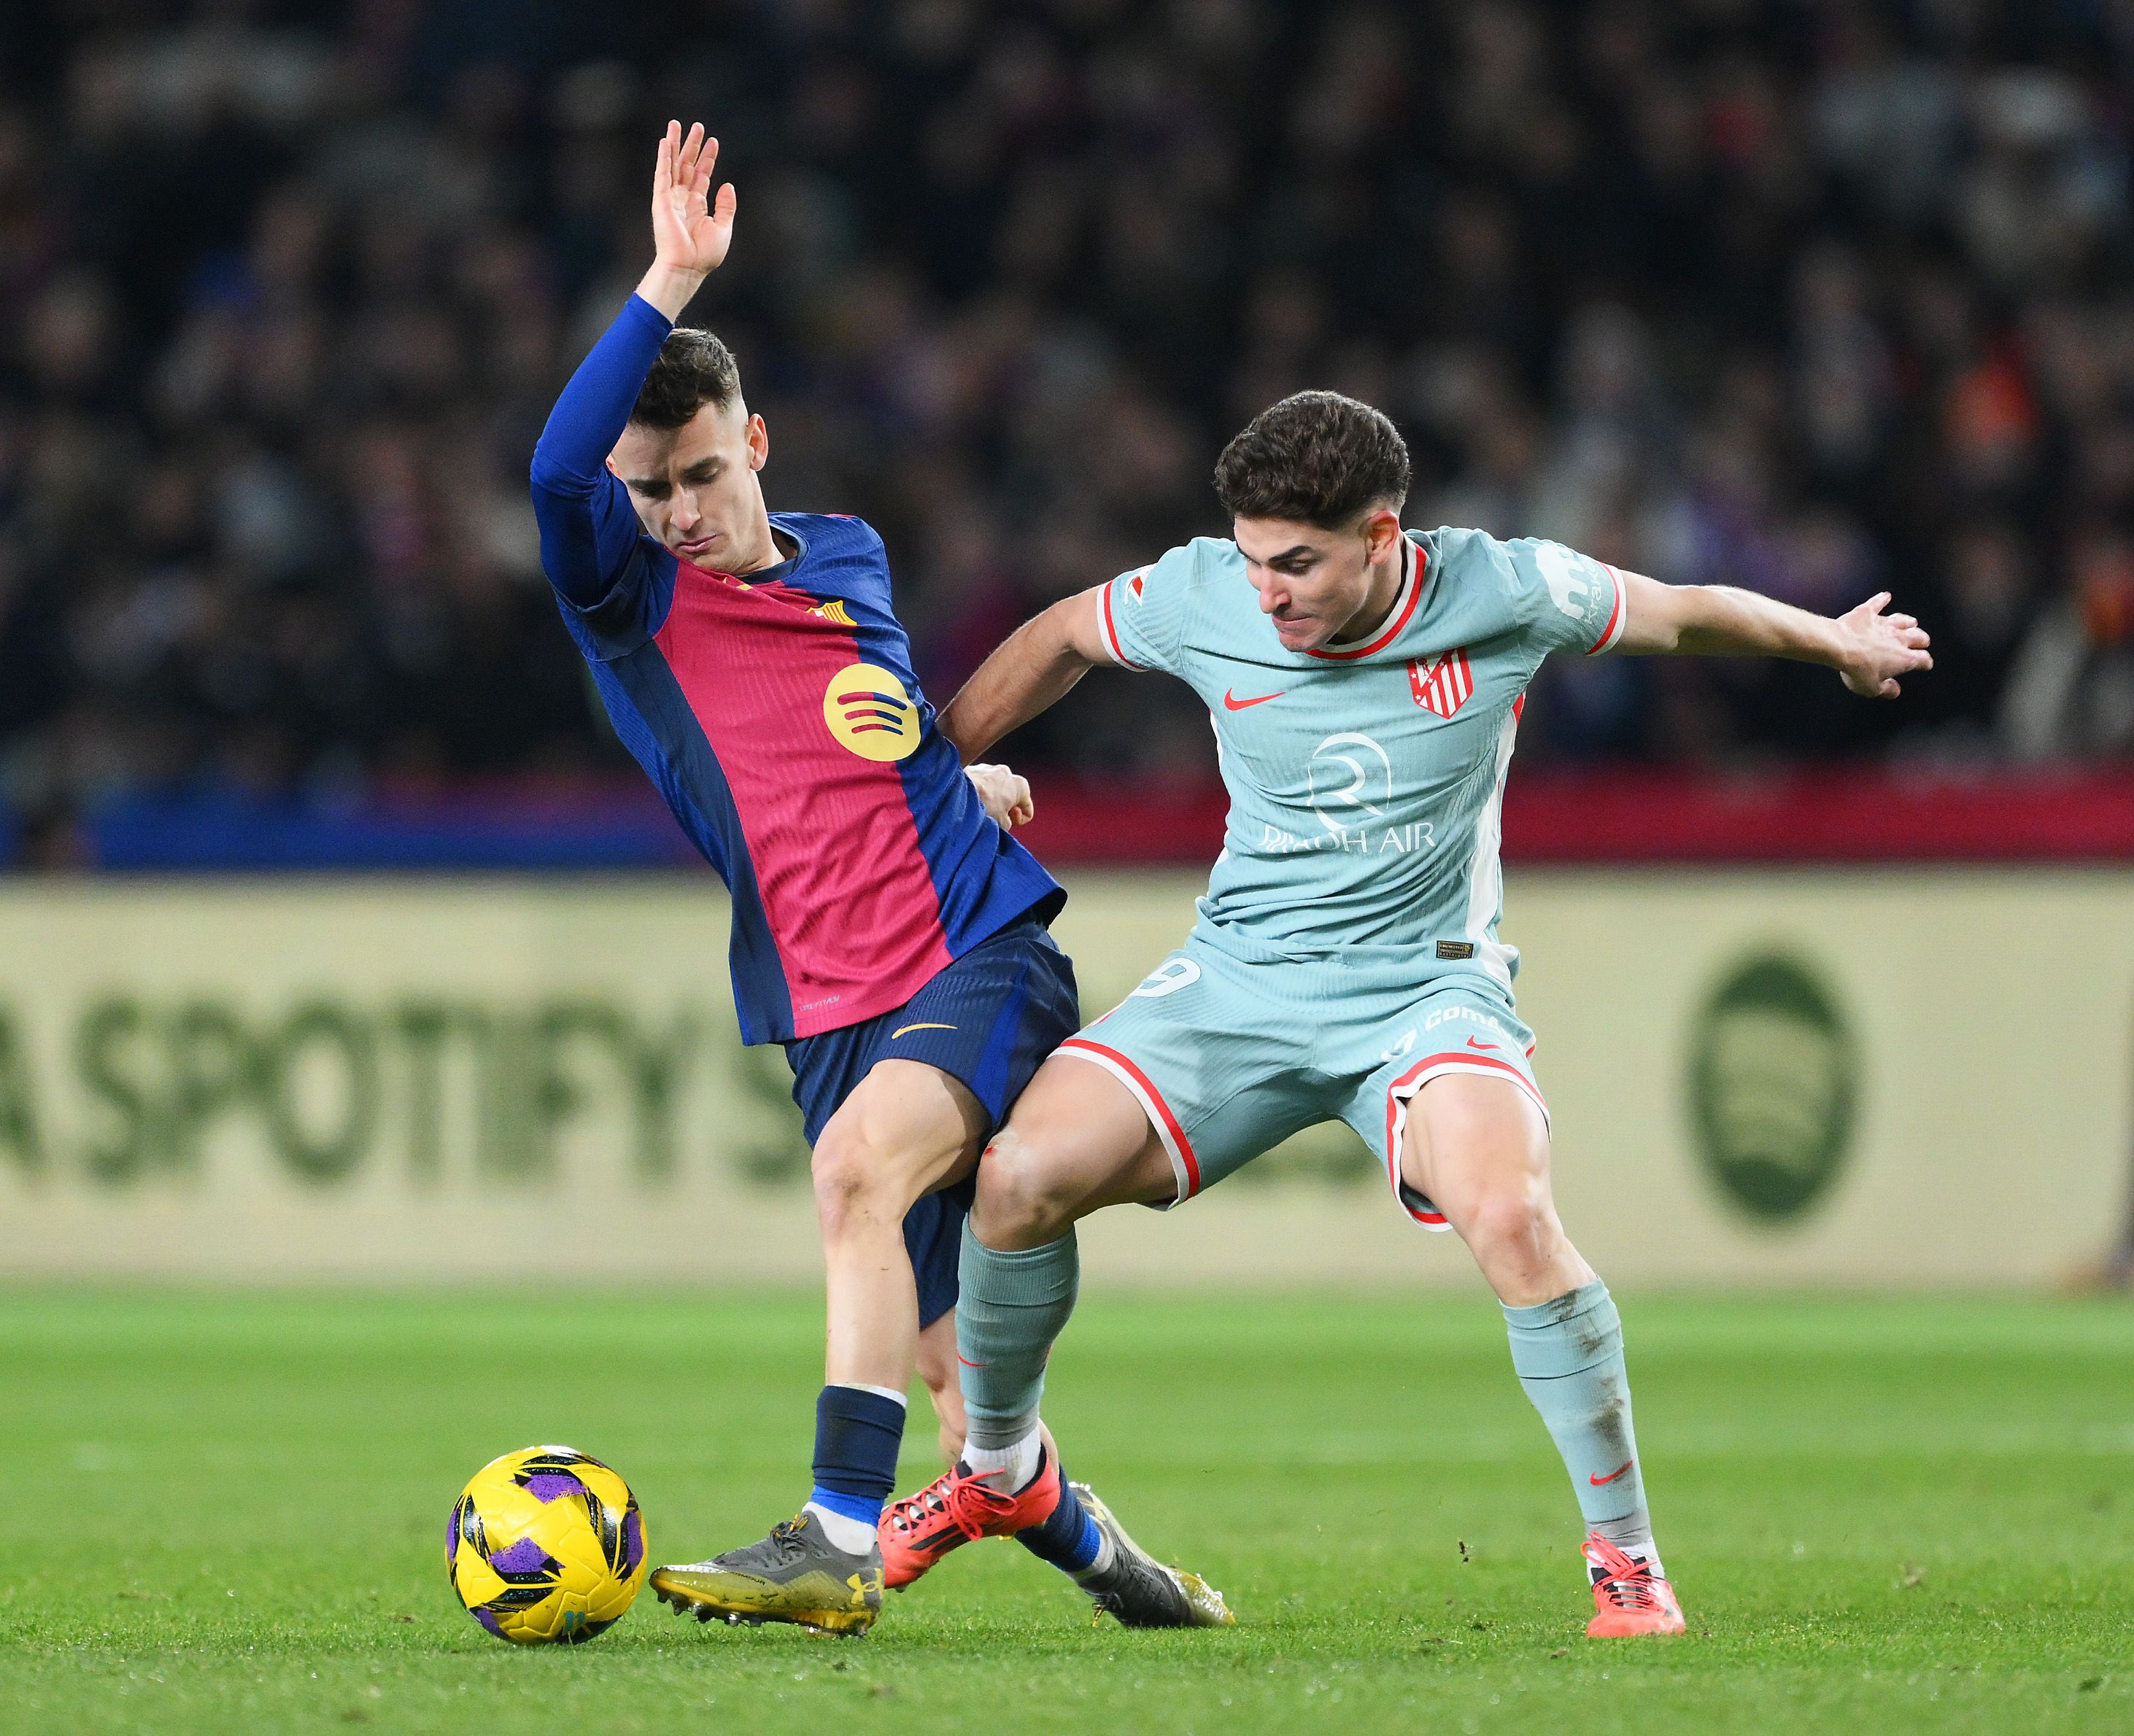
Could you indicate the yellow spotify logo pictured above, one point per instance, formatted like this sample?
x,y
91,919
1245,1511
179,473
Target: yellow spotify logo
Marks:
x,y
868,709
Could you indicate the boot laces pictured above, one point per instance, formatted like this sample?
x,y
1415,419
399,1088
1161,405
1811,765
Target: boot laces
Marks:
x,y
1624,1581
1632,1591
914,1511
785,1536
971,1503
964,1500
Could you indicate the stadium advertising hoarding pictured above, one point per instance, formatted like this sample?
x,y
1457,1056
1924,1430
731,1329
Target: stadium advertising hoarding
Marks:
x,y
1909,1077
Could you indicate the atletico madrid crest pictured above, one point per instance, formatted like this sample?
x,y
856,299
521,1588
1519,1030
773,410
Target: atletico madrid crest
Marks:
x,y
1441,684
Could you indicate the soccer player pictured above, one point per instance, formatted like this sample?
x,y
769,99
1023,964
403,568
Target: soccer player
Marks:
x,y
1365,686
885,930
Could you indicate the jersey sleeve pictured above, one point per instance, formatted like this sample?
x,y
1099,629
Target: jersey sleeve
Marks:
x,y
1142,614
602,566
1566,601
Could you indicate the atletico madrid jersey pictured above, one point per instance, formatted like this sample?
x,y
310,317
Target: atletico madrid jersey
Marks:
x,y
779,716
1366,780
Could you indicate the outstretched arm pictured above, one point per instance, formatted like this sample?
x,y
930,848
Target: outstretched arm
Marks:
x,y
589,530
1033,669
1868,648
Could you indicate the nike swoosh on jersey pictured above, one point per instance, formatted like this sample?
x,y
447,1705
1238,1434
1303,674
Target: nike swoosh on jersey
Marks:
x,y
1620,1471
1231,702
1477,1043
902,1028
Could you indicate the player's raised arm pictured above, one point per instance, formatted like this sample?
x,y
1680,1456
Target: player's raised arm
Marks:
x,y
589,529
1032,670
1868,648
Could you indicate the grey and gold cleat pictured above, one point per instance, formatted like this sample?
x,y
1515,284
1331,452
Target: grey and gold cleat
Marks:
x,y
795,1574
1139,1589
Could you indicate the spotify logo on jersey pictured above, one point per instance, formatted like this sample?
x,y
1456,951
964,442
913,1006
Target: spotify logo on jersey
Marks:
x,y
868,711
1774,1086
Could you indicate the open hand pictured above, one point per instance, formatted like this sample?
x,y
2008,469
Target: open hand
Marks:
x,y
1006,796
691,230
1876,647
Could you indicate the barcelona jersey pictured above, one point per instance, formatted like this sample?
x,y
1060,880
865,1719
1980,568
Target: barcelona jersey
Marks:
x,y
778,714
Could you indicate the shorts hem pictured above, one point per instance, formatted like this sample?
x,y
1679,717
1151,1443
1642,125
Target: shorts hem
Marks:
x,y
1402,1092
1184,1165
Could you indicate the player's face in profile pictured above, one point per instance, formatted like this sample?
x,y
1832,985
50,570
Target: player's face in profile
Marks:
x,y
695,487
1311,582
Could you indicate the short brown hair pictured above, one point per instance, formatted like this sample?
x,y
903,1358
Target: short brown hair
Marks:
x,y
694,368
1317,458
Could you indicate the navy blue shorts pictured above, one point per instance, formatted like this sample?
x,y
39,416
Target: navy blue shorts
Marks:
x,y
989,1020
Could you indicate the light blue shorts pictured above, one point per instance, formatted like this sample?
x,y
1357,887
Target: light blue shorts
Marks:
x,y
1230,1054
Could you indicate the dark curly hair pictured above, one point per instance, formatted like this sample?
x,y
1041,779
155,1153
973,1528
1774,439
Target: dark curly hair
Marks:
x,y
694,368
1317,458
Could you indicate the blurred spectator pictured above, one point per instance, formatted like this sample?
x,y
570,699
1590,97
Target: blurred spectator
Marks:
x,y
1816,299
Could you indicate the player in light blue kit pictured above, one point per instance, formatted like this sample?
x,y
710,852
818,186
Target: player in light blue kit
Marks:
x,y
1366,687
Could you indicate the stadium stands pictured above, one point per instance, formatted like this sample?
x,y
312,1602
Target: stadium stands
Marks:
x,y
1815,299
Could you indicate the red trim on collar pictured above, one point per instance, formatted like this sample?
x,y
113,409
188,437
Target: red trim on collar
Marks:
x,y
1401,615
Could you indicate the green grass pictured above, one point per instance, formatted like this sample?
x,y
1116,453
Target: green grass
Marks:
x,y
228,1514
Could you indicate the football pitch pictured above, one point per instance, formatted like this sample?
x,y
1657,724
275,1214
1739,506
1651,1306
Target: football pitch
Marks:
x,y
1888,1516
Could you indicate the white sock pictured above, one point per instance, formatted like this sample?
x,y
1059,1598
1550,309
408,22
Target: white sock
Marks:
x,y
1010,1469
1639,1549
854,1536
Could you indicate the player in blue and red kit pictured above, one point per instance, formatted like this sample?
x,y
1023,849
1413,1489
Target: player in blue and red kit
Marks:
x,y
886,930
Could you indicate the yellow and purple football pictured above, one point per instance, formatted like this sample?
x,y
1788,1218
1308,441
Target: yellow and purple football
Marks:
x,y
547,1546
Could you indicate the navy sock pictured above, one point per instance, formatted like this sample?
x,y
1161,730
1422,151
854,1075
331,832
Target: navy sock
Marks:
x,y
1068,1540
858,1433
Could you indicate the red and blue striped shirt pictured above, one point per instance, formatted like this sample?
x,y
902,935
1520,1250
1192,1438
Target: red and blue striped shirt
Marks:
x,y
779,717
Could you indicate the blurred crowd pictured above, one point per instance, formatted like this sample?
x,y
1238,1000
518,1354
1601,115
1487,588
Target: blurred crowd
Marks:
x,y
1821,298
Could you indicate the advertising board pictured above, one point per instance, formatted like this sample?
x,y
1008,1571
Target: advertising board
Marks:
x,y
1902,1077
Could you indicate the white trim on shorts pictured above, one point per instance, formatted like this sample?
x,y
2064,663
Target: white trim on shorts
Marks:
x,y
1402,1091
1185,1166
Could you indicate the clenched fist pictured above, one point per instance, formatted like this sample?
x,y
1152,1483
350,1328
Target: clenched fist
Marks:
x,y
1006,796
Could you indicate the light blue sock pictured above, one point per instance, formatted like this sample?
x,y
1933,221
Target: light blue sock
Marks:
x,y
1569,1356
1011,1308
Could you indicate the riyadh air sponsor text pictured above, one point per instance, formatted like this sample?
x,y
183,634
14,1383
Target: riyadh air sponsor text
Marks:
x,y
1350,784
1356,841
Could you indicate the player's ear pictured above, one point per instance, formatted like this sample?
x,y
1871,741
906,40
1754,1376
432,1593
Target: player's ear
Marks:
x,y
1381,530
759,443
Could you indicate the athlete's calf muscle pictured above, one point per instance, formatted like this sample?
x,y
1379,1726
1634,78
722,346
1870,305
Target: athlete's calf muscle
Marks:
x,y
936,1363
1077,1140
906,1129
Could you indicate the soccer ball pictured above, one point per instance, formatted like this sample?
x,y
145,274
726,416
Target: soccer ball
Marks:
x,y
546,1546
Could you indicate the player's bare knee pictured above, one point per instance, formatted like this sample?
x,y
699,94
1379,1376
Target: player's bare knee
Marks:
x,y
1011,1207
1514,1223
1021,1200
855,1180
